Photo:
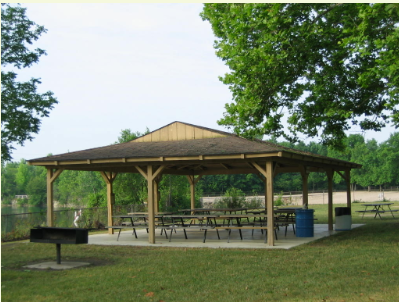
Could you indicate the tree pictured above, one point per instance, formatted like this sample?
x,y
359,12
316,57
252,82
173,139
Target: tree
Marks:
x,y
22,177
37,188
128,135
329,66
389,159
130,188
8,181
22,107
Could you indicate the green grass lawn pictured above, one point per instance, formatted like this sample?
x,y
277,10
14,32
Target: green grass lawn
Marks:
x,y
357,265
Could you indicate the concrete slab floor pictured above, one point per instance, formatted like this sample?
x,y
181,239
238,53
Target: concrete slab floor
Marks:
x,y
53,265
195,238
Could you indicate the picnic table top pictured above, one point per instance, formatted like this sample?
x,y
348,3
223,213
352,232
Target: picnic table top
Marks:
x,y
377,204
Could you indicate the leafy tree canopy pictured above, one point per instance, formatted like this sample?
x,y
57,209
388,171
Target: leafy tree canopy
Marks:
x,y
127,135
22,106
329,66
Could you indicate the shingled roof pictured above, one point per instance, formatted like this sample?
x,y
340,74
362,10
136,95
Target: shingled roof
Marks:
x,y
182,142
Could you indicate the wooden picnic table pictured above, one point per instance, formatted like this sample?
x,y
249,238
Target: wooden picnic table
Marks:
x,y
377,208
168,222
208,211
175,221
146,213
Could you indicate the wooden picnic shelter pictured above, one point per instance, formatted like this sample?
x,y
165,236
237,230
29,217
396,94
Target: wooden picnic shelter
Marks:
x,y
184,149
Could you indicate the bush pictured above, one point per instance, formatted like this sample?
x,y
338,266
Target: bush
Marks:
x,y
234,198
21,202
279,201
254,203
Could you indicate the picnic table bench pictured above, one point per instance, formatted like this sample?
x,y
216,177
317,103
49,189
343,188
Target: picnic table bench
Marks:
x,y
201,222
167,222
378,209
245,227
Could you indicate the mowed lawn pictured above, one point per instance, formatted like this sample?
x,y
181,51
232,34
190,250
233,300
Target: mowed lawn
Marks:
x,y
357,265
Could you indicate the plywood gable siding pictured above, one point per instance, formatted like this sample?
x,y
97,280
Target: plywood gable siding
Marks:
x,y
177,132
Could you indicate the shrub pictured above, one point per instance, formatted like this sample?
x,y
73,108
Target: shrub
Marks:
x,y
279,201
254,203
234,198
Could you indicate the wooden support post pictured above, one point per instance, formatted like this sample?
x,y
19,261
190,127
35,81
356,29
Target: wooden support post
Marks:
x,y
193,181
269,198
270,203
150,175
305,192
347,178
157,196
51,177
150,205
109,178
330,174
348,189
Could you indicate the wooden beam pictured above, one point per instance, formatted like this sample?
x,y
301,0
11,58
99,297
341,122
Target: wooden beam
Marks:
x,y
109,178
156,192
250,165
227,167
193,181
305,192
280,156
269,201
330,174
51,177
141,171
260,177
275,169
56,173
344,176
150,205
260,169
211,171
348,188
183,167
150,175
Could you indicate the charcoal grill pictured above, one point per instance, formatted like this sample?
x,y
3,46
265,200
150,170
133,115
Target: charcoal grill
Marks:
x,y
59,236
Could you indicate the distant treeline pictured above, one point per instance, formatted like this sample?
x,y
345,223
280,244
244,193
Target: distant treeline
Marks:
x,y
380,168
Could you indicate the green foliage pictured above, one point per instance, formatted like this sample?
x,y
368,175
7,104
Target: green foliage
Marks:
x,y
130,189
254,203
279,201
234,198
22,177
22,107
221,183
330,66
96,200
175,193
80,188
389,160
128,135
37,189
8,181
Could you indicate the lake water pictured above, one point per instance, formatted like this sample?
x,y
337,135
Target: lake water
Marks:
x,y
17,218
20,210
28,217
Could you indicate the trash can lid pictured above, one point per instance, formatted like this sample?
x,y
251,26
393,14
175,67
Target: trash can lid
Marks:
x,y
339,211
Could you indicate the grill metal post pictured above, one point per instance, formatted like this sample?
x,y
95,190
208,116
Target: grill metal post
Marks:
x,y
58,245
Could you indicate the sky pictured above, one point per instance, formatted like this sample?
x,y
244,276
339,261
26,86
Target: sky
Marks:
x,y
125,66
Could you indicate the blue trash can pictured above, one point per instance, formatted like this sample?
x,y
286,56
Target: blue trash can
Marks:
x,y
304,222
